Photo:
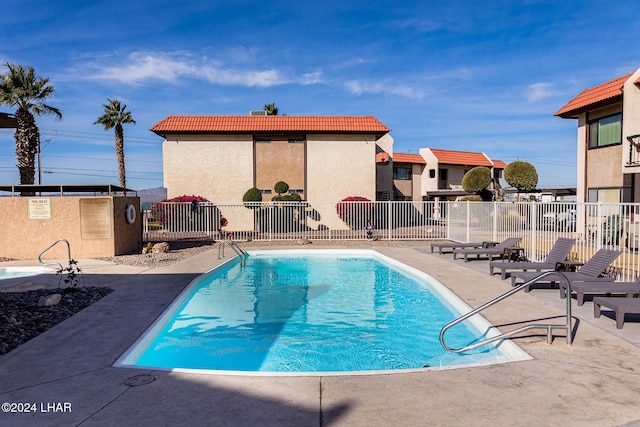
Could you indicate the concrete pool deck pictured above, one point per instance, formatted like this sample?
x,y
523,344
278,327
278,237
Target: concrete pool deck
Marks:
x,y
596,381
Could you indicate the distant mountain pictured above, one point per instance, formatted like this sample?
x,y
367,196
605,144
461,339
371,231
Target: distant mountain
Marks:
x,y
152,195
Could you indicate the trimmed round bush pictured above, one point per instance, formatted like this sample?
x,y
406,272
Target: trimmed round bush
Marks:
x,y
521,175
476,179
281,187
252,195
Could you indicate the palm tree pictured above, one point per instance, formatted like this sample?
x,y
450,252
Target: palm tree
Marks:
x,y
115,115
271,109
23,89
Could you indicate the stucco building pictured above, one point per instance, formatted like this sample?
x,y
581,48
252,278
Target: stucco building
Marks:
x,y
322,158
608,140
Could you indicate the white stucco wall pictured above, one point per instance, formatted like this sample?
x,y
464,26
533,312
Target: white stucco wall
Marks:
x,y
337,169
219,169
429,184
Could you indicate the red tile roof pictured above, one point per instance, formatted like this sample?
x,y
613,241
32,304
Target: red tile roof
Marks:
x,y
382,157
608,91
243,124
408,158
499,164
451,157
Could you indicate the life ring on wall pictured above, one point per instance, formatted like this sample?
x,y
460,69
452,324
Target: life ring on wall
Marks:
x,y
131,214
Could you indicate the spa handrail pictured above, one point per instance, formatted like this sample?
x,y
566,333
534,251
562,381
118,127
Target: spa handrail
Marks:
x,y
518,288
61,268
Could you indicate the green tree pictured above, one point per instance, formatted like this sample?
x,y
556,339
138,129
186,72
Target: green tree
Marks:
x,y
521,175
23,89
271,109
115,115
476,179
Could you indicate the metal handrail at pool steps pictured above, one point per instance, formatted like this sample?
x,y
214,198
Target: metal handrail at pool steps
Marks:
x,y
548,326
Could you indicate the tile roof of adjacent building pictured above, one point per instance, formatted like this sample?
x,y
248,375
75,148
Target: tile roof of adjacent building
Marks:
x,y
408,158
594,97
253,124
499,164
382,157
467,158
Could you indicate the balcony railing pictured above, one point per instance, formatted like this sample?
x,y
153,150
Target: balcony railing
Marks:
x,y
634,150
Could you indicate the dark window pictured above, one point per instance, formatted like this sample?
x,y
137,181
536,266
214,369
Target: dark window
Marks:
x,y
401,173
263,141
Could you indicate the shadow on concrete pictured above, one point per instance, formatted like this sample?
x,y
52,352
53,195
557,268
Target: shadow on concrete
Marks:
x,y
72,362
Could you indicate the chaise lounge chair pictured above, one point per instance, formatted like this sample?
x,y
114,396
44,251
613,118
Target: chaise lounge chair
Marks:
x,y
589,272
606,288
620,306
490,252
457,245
559,252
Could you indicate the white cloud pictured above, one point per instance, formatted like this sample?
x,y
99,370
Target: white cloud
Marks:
x,y
142,67
358,88
539,91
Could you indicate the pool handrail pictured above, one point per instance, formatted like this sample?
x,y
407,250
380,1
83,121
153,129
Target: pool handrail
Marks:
x,y
60,267
548,326
234,245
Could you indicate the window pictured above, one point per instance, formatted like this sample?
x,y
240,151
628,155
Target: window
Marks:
x,y
296,140
605,131
296,191
265,191
443,180
263,141
604,195
401,173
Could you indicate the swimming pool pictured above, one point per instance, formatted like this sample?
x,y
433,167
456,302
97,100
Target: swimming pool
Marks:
x,y
13,272
312,311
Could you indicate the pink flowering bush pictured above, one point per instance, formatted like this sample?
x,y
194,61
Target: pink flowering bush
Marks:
x,y
355,211
162,211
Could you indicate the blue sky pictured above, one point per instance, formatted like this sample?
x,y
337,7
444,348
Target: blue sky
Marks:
x,y
462,75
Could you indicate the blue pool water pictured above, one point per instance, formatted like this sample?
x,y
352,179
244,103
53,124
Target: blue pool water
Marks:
x,y
13,272
322,311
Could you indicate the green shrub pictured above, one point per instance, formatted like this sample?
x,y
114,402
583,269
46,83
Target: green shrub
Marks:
x,y
471,198
252,195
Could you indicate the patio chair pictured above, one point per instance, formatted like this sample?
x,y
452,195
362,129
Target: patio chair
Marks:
x,y
559,252
591,271
629,289
457,245
498,249
620,306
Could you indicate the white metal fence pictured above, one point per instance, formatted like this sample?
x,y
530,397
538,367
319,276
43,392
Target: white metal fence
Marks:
x,y
594,226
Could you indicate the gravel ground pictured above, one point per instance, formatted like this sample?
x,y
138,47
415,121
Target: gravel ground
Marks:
x,y
21,318
179,250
